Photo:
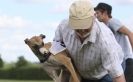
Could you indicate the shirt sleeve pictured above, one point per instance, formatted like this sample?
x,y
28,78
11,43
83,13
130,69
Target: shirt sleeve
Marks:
x,y
58,44
112,56
115,25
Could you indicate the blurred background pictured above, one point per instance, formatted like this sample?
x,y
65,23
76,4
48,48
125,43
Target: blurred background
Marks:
x,y
21,19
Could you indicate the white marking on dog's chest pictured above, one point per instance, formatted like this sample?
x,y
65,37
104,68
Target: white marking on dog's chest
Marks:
x,y
43,50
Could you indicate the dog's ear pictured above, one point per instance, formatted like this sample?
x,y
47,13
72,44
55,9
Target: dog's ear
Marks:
x,y
26,41
43,36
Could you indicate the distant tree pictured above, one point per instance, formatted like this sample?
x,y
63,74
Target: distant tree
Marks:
x,y
1,62
21,62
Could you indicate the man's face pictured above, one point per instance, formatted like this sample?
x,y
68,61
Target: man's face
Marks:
x,y
83,33
100,15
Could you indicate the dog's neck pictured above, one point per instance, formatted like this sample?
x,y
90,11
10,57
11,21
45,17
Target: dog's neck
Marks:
x,y
42,53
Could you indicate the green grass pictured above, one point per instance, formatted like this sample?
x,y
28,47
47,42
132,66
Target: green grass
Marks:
x,y
23,81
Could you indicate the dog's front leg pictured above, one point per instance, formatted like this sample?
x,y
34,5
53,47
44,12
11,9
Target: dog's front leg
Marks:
x,y
66,61
53,71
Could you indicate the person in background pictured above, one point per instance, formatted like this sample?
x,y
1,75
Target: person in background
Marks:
x,y
103,14
91,45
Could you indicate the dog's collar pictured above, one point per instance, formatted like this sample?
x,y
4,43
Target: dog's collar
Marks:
x,y
46,56
42,53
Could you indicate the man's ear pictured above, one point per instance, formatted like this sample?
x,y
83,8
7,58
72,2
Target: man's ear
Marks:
x,y
26,41
105,12
43,36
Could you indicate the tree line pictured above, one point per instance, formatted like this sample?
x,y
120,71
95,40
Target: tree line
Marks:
x,y
22,70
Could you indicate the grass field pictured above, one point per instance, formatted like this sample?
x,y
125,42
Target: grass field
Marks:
x,y
22,81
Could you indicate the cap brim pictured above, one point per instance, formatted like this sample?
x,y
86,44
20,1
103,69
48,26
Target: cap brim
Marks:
x,y
80,23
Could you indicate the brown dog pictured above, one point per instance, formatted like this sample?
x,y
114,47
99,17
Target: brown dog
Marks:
x,y
52,64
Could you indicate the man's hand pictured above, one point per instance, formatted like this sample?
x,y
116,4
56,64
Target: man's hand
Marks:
x,y
119,79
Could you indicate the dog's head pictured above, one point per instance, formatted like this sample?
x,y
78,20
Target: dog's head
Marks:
x,y
35,43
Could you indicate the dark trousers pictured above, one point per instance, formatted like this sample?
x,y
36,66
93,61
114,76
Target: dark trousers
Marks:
x,y
129,70
106,78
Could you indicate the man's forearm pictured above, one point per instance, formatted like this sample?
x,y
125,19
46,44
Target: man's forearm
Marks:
x,y
119,79
126,31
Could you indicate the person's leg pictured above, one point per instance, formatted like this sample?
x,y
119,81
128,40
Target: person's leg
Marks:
x,y
65,76
128,70
106,78
86,80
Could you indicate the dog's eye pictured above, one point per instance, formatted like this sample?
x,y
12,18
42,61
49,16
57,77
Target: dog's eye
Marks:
x,y
38,46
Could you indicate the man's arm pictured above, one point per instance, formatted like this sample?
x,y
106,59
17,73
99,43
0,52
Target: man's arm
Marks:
x,y
127,32
119,79
117,26
112,56
58,44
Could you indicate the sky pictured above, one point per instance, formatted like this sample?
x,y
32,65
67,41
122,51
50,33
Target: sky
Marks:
x,y
21,19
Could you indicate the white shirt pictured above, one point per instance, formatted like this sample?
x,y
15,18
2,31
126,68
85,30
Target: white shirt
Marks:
x,y
115,25
99,54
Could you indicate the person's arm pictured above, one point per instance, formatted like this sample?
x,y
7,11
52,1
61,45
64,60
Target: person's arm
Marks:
x,y
58,44
127,32
119,79
116,26
112,56
112,63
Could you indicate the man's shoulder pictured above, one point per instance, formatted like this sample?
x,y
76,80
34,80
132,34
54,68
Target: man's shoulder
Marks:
x,y
64,22
102,27
114,20
64,26
104,33
114,24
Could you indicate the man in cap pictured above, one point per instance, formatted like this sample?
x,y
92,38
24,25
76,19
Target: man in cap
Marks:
x,y
91,45
103,14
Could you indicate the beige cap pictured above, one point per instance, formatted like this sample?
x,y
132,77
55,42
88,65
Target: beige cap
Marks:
x,y
81,14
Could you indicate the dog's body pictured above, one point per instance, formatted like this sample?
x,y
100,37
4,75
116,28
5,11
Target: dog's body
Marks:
x,y
53,64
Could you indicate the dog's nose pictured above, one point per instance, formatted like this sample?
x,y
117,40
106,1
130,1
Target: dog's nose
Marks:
x,y
26,40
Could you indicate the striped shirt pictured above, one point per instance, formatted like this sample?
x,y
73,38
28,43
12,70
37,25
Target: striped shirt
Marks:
x,y
97,56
